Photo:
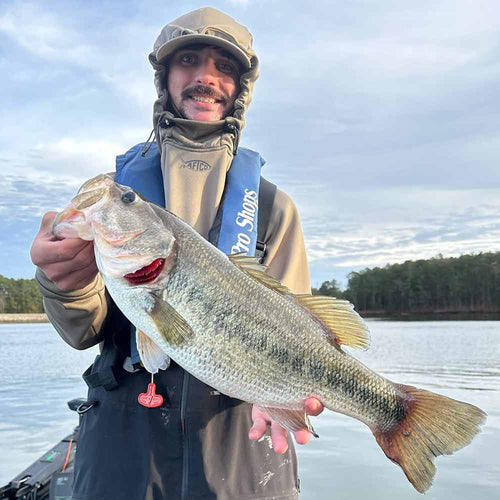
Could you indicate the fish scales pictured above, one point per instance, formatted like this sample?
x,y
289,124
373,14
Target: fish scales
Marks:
x,y
262,328
237,330
254,317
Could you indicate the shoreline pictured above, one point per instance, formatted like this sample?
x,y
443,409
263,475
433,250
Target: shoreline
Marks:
x,y
444,316
23,318
432,316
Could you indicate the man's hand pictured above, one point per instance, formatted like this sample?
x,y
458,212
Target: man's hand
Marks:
x,y
262,420
69,263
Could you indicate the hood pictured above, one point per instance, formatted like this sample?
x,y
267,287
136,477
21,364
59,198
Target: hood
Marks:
x,y
213,27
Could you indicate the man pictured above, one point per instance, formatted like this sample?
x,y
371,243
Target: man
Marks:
x,y
196,444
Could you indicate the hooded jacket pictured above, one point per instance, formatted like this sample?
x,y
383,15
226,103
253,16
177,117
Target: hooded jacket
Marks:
x,y
184,143
79,314
196,446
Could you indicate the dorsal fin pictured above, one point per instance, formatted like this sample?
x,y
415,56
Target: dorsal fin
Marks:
x,y
339,316
252,267
345,324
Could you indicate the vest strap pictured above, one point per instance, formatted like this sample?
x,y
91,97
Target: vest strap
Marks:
x,y
267,193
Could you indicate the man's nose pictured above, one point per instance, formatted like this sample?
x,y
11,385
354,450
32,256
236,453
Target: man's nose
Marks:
x,y
207,72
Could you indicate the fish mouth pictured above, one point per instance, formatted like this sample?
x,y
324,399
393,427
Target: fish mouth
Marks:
x,y
67,224
147,273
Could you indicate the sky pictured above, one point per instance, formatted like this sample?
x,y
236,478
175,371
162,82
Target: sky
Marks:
x,y
381,119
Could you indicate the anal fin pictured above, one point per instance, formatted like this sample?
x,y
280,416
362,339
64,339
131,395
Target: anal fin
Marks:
x,y
292,420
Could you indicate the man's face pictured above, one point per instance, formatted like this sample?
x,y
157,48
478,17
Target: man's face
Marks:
x,y
203,82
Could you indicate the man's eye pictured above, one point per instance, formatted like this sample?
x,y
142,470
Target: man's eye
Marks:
x,y
187,59
226,67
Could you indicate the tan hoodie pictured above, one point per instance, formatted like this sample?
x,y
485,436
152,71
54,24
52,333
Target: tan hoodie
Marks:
x,y
193,194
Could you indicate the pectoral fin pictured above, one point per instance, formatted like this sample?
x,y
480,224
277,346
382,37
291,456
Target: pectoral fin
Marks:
x,y
292,420
152,357
170,324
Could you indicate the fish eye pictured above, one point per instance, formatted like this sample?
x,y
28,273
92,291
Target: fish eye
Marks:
x,y
128,197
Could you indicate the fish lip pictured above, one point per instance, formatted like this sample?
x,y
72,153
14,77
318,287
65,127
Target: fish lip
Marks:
x,y
146,274
120,241
102,233
66,218
69,214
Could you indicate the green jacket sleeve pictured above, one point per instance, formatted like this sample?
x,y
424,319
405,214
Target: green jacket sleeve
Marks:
x,y
76,315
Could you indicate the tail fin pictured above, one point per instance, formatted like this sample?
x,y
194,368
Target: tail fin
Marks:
x,y
433,425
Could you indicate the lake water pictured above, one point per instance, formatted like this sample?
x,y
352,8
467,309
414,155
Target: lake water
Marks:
x,y
460,359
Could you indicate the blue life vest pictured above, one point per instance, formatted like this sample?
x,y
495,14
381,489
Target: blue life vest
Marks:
x,y
235,229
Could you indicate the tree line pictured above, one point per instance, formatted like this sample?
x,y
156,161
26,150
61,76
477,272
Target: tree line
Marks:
x,y
469,283
19,296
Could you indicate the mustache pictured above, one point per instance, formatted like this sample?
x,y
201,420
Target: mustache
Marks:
x,y
205,91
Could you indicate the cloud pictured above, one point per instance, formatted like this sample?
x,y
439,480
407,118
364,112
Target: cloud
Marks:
x,y
42,33
380,120
70,158
115,57
67,160
427,227
135,85
83,158
24,200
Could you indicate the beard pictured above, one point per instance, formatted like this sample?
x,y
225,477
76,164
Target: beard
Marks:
x,y
181,108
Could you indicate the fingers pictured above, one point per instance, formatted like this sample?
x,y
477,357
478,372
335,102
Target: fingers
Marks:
x,y
69,263
313,406
302,437
261,422
259,428
67,280
79,252
47,249
278,438
47,222
74,273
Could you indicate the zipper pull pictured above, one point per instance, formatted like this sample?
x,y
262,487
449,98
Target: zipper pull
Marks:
x,y
150,399
147,144
233,129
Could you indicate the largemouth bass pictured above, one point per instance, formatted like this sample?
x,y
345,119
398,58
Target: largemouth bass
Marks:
x,y
237,329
